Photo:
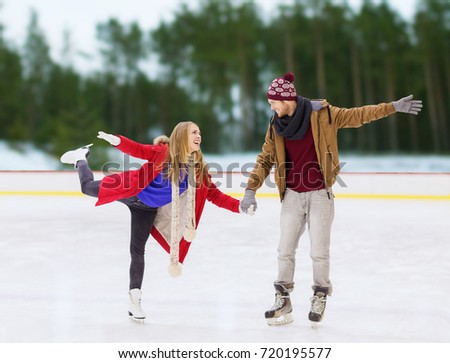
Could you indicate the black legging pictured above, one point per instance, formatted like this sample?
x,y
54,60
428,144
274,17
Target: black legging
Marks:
x,y
142,218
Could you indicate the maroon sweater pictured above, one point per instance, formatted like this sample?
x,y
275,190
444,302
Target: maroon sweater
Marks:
x,y
303,172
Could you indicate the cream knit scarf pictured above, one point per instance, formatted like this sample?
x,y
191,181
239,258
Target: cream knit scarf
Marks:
x,y
188,233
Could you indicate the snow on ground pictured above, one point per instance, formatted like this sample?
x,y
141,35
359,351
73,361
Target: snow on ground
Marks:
x,y
25,157
350,162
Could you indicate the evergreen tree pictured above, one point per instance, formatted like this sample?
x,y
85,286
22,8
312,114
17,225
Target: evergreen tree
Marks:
x,y
37,67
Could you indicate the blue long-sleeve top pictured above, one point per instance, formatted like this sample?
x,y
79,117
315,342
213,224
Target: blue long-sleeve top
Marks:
x,y
159,192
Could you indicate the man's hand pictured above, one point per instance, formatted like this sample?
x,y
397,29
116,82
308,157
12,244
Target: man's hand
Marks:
x,y
112,139
408,105
250,210
248,204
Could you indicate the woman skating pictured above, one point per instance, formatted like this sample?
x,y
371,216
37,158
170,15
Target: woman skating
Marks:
x,y
165,196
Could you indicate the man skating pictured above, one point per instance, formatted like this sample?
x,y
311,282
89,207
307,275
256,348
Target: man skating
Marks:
x,y
301,142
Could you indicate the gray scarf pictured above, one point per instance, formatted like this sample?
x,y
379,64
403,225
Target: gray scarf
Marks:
x,y
294,127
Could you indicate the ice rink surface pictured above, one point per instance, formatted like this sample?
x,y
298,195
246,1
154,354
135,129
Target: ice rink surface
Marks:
x,y
64,275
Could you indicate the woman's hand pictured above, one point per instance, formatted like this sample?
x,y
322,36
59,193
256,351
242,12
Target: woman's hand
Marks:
x,y
112,139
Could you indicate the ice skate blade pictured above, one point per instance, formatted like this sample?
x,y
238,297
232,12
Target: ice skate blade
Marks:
x,y
315,324
281,320
136,320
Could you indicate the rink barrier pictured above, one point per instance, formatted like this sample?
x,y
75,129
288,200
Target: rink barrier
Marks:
x,y
240,195
37,193
380,185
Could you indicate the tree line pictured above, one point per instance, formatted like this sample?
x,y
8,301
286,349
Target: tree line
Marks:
x,y
214,65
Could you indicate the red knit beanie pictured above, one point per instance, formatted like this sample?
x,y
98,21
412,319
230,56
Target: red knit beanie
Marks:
x,y
282,89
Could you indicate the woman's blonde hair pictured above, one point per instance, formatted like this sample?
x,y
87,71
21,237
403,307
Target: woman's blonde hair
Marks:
x,y
179,157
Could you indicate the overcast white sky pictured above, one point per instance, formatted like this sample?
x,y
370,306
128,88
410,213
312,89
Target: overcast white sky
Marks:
x,y
81,16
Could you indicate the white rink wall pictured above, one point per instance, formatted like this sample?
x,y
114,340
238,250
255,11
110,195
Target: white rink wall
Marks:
x,y
30,171
348,185
355,185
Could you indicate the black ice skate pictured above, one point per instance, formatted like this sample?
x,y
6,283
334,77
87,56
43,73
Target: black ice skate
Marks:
x,y
318,304
280,313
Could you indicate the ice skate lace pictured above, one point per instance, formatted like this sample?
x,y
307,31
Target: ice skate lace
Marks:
x,y
279,302
136,303
318,304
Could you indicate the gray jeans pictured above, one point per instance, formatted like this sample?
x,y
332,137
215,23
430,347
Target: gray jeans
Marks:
x,y
313,209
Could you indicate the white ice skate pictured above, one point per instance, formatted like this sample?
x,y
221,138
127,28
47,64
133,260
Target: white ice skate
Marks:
x,y
281,312
135,311
74,156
